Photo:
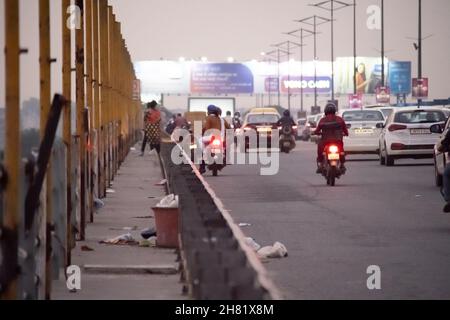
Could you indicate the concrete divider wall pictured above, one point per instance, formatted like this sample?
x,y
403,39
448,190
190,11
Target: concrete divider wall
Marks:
x,y
216,261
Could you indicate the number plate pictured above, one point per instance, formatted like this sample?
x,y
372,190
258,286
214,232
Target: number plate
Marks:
x,y
363,131
420,131
333,156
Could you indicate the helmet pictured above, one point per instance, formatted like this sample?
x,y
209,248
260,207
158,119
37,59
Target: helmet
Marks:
x,y
219,111
330,108
237,114
286,113
212,109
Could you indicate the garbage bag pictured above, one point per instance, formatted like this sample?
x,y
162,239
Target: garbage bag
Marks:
x,y
148,233
170,201
278,250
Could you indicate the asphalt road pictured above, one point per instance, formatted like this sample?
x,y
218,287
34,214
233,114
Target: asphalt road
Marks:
x,y
389,217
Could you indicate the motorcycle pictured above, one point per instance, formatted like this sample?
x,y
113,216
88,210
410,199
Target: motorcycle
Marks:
x,y
217,155
287,140
331,166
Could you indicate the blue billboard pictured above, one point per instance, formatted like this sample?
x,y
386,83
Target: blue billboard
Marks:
x,y
221,78
399,79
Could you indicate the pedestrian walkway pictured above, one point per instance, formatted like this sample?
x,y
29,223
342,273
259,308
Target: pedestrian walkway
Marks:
x,y
127,272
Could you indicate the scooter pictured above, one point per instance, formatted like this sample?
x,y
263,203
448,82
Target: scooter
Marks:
x,y
331,166
217,155
287,141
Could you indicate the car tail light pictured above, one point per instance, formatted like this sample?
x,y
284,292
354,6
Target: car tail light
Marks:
x,y
397,146
333,149
217,143
294,127
395,127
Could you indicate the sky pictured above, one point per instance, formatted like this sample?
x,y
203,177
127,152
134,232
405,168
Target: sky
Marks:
x,y
241,29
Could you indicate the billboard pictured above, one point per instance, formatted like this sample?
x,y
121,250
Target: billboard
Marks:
x,y
368,75
399,78
295,84
420,87
221,78
383,95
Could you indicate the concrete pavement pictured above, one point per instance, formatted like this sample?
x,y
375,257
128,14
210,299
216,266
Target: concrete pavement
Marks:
x,y
125,272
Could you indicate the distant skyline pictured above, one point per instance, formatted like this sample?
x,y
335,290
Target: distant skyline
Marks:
x,y
242,29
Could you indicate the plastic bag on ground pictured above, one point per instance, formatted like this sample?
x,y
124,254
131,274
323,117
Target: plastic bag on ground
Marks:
x,y
148,233
252,243
170,201
121,240
278,250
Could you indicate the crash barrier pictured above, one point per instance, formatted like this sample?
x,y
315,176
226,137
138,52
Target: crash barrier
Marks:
x,y
38,249
217,264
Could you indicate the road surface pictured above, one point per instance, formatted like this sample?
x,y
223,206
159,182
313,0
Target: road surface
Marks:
x,y
389,217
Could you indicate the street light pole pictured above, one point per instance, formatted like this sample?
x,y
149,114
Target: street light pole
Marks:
x,y
301,45
419,71
331,8
314,24
382,43
354,46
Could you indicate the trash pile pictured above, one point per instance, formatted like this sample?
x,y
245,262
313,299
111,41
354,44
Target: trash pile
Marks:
x,y
124,239
277,250
170,201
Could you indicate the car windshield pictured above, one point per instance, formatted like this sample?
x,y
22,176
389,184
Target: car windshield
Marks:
x,y
262,118
362,115
420,116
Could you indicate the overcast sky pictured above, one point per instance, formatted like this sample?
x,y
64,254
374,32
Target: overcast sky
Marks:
x,y
241,29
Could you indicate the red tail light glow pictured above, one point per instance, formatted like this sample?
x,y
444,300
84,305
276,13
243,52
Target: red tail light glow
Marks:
x,y
333,149
397,146
216,143
395,127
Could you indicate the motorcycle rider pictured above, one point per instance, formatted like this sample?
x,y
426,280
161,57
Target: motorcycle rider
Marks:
x,y
236,122
213,121
332,128
286,119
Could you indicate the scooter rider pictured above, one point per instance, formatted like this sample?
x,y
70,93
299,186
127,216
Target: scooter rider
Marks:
x,y
332,128
236,122
286,120
213,121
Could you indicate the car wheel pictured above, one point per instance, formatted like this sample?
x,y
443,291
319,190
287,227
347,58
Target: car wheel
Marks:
x,y
437,176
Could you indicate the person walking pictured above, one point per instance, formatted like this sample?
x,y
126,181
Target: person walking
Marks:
x,y
152,128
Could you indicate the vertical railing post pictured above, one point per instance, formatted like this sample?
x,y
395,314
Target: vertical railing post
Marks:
x,y
80,105
67,118
11,218
90,105
96,81
45,101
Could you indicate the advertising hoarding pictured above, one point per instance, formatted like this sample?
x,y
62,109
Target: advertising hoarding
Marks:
x,y
399,78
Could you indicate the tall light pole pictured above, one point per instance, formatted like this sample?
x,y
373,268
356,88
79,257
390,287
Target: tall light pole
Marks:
x,y
278,51
354,46
286,47
304,33
419,50
314,21
382,43
331,6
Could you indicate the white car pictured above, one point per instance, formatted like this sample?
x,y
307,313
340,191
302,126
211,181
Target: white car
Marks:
x,y
364,128
407,134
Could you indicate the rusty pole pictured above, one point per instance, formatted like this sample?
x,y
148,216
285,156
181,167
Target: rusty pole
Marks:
x,y
80,103
11,218
67,117
96,103
45,100
90,104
